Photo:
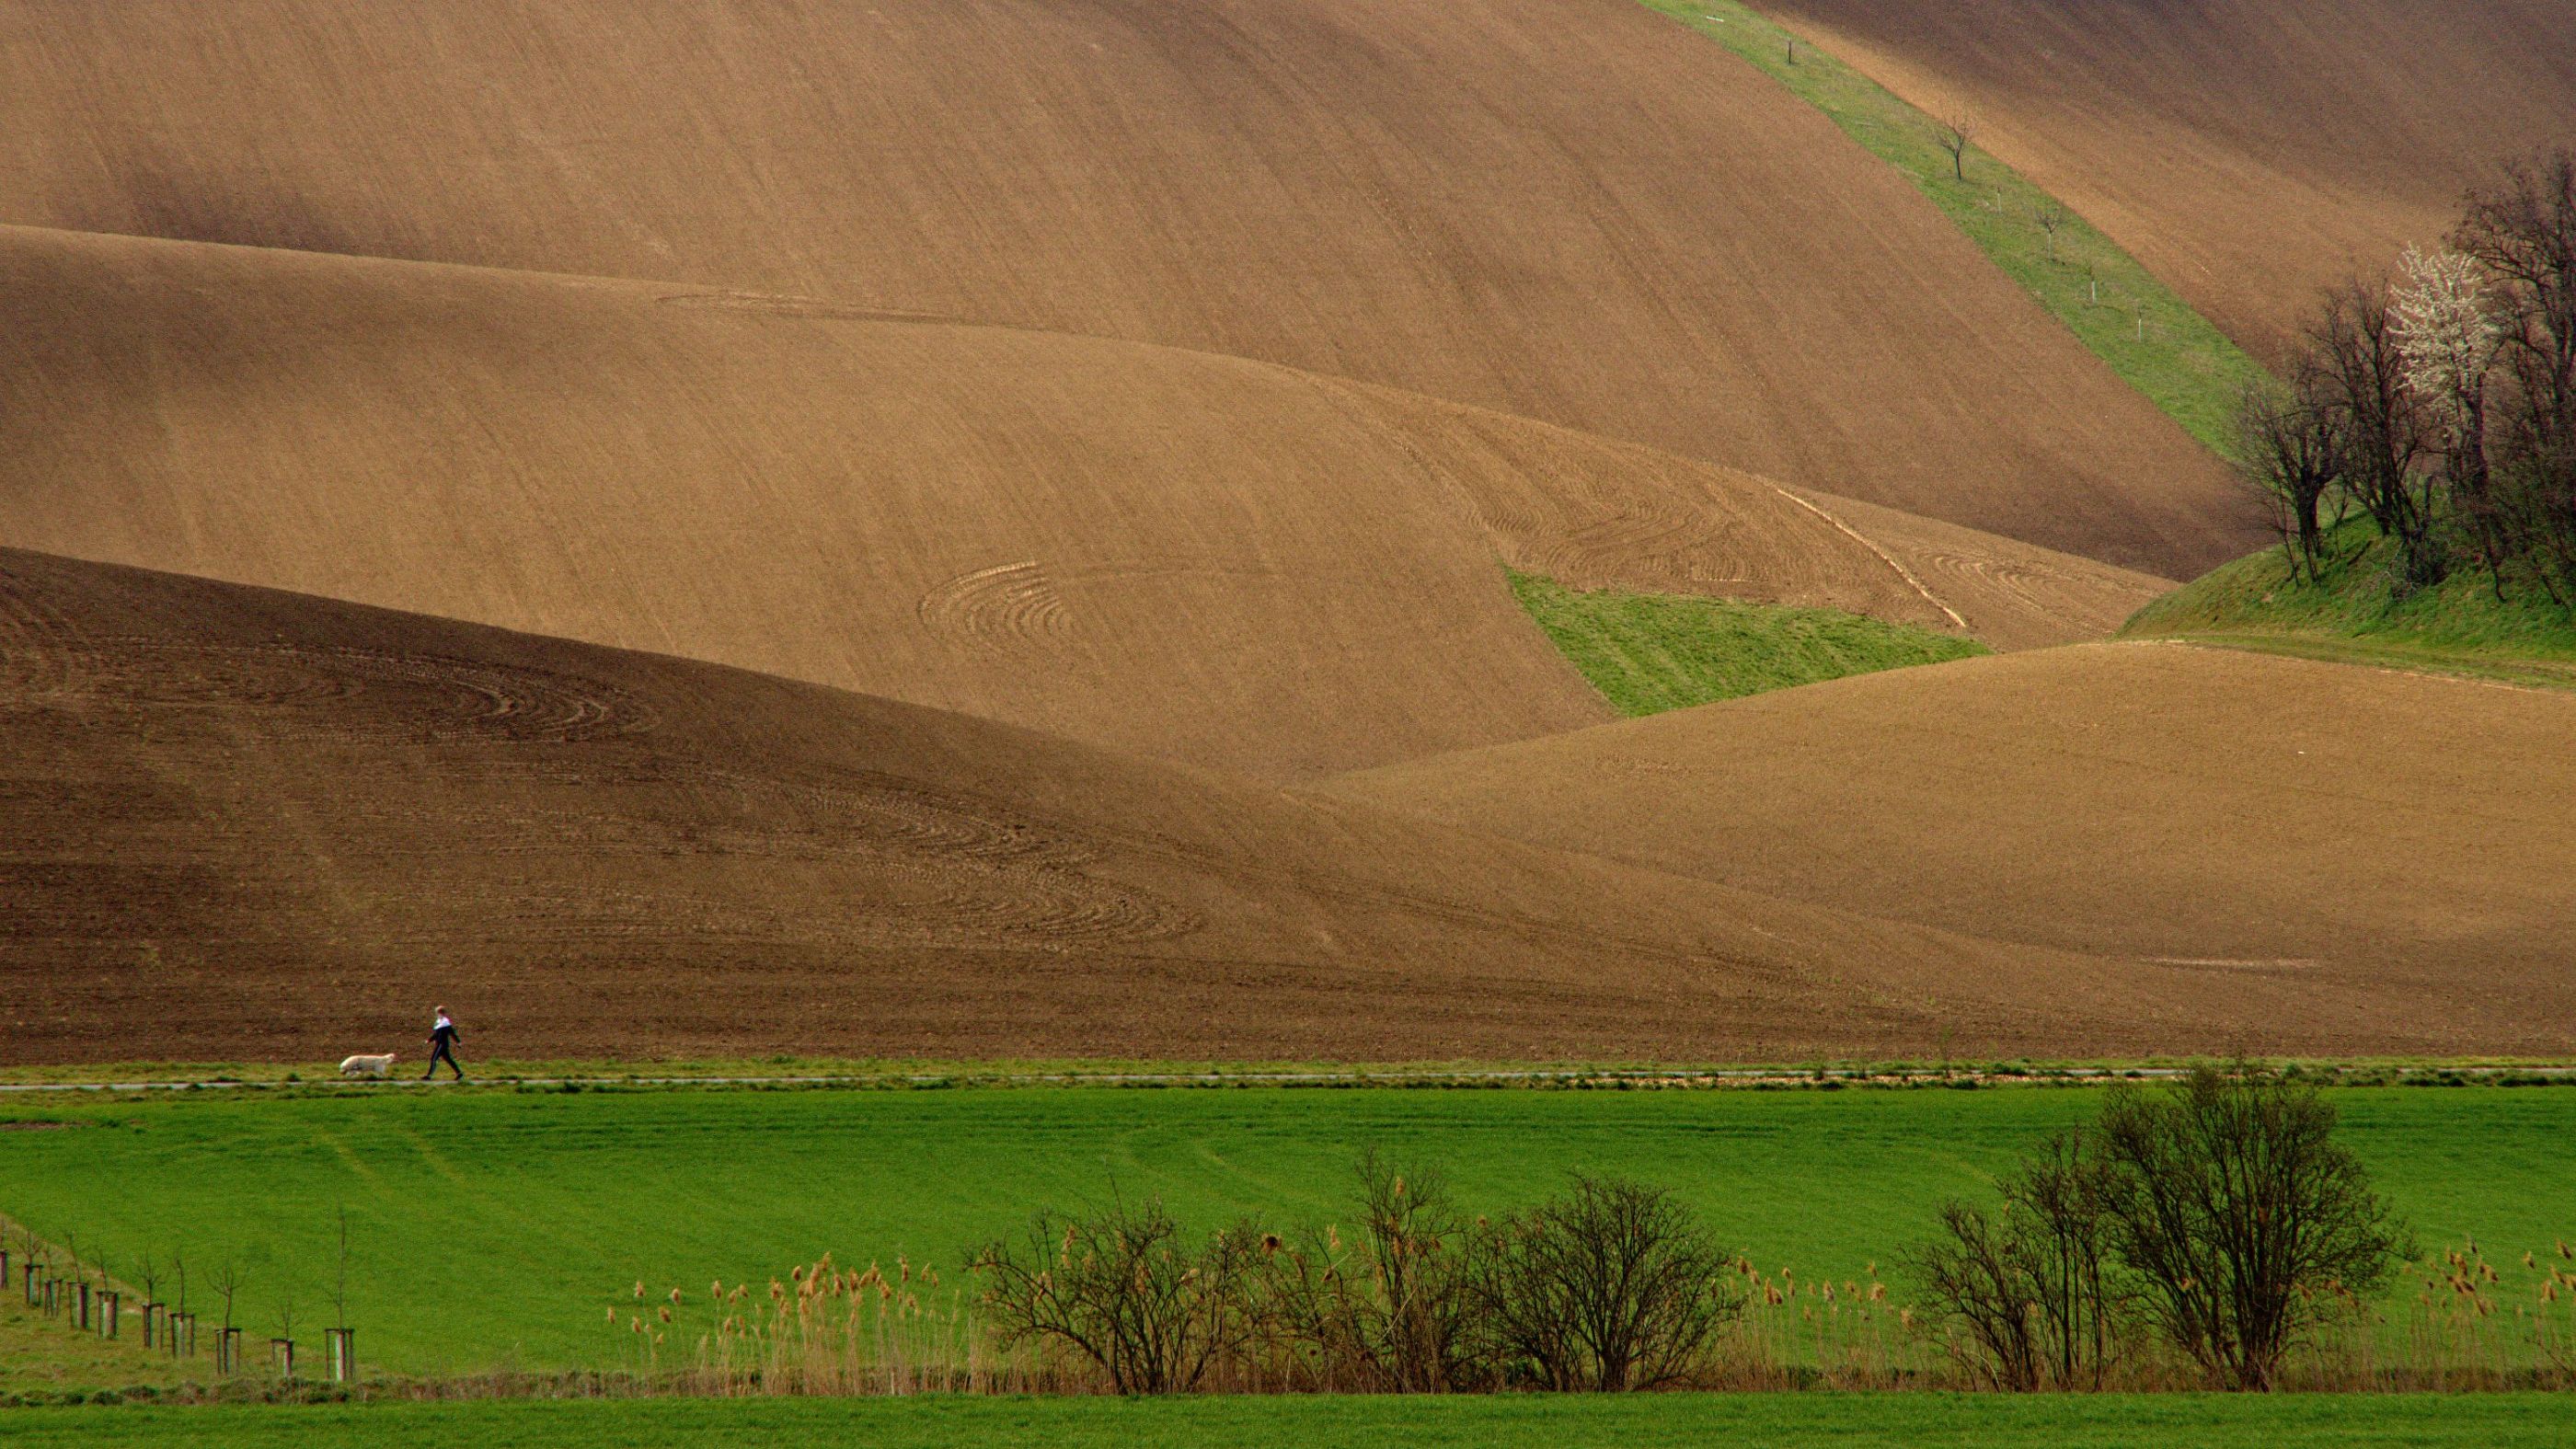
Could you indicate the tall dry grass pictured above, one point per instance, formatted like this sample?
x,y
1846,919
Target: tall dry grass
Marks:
x,y
823,1330
2472,1324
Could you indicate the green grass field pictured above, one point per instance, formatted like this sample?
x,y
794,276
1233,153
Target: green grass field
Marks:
x,y
493,1226
1648,653
1650,1421
2149,336
2353,614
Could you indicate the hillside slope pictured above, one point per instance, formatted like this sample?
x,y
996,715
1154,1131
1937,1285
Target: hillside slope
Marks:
x,y
2249,152
2353,608
1556,208
238,823
1216,560
2263,820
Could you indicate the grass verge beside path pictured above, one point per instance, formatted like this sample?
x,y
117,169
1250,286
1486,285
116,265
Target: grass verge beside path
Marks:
x,y
42,1357
1627,1421
1648,653
493,1224
2148,335
2352,614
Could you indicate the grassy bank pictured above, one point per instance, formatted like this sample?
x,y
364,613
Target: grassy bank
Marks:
x,y
1648,653
2354,613
2148,335
492,1226
1654,1421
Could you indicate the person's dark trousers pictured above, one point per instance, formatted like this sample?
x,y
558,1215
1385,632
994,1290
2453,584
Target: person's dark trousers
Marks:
x,y
441,1053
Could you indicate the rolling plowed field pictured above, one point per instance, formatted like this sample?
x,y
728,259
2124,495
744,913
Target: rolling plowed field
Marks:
x,y
238,823
1566,209
1221,561
2248,151
2262,820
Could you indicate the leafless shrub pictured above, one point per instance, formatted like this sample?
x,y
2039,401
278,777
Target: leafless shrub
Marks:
x,y
1389,1311
2029,1294
1126,1288
1608,1286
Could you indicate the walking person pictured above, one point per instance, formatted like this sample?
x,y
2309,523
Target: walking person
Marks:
x,y
442,1046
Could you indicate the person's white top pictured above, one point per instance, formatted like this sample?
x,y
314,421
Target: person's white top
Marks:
x,y
442,1021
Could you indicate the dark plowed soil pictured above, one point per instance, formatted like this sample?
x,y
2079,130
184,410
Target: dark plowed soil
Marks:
x,y
236,823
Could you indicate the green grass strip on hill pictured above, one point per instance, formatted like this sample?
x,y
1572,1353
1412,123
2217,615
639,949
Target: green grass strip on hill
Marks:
x,y
2353,613
1504,1421
1648,653
2149,336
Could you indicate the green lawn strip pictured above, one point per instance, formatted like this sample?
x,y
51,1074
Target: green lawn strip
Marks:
x,y
2354,614
1648,653
1625,1421
496,1227
2149,336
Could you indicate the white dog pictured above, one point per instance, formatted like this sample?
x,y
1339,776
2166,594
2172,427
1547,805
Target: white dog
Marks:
x,y
367,1066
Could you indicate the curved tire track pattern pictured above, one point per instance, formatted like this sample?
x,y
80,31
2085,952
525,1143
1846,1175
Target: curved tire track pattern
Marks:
x,y
1004,608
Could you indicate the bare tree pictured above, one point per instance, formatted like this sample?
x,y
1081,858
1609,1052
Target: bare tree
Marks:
x,y
2051,217
1955,131
2362,378
2521,231
1978,1283
2290,450
2247,1224
228,1281
147,1272
2033,1288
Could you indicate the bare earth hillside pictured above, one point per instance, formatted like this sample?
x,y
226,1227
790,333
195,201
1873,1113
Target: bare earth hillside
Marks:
x,y
240,823
2262,820
2247,151
1565,209
1221,561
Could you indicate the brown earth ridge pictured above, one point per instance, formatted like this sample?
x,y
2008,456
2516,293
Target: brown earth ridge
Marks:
x,y
1218,561
964,529
2256,818
247,824
1560,209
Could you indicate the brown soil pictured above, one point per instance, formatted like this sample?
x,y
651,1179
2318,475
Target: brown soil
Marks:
x,y
1219,561
2259,820
1564,209
255,825
2248,152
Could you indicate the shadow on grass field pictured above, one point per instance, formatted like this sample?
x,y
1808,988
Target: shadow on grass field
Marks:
x,y
1651,1421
